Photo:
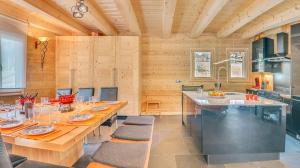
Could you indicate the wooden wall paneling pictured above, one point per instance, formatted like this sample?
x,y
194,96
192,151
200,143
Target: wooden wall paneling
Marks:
x,y
38,79
82,61
166,60
63,61
128,66
104,62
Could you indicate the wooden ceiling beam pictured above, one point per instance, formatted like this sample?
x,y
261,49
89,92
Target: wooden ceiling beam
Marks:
x,y
53,10
255,9
11,10
128,13
100,21
286,17
211,9
168,17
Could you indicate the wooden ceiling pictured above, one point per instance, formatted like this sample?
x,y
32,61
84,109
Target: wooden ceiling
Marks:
x,y
156,17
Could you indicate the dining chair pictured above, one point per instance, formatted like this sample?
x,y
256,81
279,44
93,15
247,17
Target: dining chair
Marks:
x,y
63,91
86,93
4,157
109,94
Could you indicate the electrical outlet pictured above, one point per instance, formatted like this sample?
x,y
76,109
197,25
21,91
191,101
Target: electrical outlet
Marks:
x,y
178,81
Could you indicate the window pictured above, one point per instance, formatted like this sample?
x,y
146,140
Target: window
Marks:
x,y
12,55
237,61
201,63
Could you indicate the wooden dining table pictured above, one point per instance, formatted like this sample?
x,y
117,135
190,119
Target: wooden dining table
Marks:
x,y
67,147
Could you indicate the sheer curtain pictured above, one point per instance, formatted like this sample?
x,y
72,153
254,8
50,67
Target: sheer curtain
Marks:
x,y
13,38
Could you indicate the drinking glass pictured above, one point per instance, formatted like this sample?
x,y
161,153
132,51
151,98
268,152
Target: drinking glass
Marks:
x,y
55,117
93,100
79,103
44,100
36,113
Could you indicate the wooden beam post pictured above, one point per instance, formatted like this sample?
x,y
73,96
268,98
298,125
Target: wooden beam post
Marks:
x,y
255,9
13,11
168,16
50,8
211,9
288,16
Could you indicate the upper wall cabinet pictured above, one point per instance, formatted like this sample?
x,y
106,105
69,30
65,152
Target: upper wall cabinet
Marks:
x,y
101,61
262,48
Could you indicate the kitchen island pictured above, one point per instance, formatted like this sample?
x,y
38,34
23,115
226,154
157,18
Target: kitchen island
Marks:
x,y
232,129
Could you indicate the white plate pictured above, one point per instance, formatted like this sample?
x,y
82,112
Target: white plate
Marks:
x,y
38,130
112,102
99,108
10,124
80,117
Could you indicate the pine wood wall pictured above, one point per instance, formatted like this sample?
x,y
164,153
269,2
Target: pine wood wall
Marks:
x,y
101,61
168,60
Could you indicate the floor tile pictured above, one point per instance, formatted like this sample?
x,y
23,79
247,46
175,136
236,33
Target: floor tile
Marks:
x,y
190,161
162,161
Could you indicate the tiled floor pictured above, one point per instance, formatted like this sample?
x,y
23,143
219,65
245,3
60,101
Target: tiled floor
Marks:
x,y
173,148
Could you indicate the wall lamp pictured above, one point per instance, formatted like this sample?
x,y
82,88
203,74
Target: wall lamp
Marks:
x,y
44,42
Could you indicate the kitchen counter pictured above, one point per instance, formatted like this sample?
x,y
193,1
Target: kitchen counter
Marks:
x,y
230,98
231,129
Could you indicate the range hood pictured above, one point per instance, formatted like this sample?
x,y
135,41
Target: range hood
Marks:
x,y
281,55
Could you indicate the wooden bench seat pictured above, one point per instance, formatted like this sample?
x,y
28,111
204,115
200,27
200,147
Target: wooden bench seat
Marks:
x,y
101,165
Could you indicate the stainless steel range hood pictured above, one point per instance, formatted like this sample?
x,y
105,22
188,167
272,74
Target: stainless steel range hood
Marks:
x,y
281,55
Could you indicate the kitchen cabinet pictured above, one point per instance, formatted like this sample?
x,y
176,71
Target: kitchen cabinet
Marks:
x,y
101,61
262,48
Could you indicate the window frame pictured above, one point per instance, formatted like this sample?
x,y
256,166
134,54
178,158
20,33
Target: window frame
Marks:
x,y
192,64
246,65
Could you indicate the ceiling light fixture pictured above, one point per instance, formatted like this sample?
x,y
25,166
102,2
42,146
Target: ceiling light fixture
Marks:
x,y
79,9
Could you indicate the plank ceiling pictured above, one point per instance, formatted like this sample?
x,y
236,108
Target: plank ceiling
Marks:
x,y
148,15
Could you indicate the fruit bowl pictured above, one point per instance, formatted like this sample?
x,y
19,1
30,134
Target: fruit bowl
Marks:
x,y
216,94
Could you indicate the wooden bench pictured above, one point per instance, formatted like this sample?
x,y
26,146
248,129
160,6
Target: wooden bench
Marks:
x,y
100,165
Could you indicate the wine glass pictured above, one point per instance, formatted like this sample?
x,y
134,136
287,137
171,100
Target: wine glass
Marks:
x,y
44,100
93,100
79,102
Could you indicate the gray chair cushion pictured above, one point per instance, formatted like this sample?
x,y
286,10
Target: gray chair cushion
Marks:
x,y
134,132
35,164
16,159
125,155
139,120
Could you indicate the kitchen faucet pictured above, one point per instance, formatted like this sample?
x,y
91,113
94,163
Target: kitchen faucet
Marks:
x,y
218,84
